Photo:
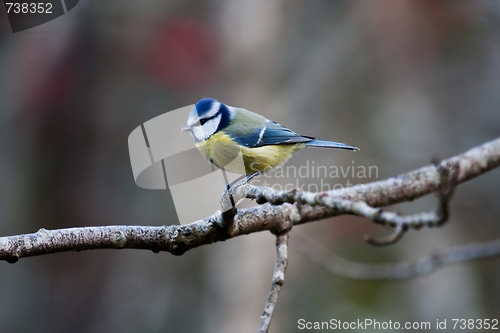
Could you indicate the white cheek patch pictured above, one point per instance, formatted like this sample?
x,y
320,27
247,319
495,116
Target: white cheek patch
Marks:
x,y
201,133
211,125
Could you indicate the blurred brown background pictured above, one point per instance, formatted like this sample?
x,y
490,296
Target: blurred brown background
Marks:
x,y
403,80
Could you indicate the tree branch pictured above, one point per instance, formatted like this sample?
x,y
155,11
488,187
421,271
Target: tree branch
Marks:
x,y
395,271
179,239
277,282
405,187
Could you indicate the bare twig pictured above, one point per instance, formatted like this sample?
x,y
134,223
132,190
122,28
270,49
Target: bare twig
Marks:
x,y
179,239
400,223
277,283
394,271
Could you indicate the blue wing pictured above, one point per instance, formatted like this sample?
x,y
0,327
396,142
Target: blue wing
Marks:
x,y
270,133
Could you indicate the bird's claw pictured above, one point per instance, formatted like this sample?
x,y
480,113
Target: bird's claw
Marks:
x,y
231,196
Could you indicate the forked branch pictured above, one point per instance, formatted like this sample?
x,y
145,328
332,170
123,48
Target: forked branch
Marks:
x,y
179,239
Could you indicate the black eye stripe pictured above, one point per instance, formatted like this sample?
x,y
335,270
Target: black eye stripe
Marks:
x,y
203,121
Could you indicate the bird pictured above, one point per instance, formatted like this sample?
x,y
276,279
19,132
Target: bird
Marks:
x,y
222,133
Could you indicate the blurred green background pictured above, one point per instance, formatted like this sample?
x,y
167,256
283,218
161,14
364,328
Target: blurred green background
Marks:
x,y
403,80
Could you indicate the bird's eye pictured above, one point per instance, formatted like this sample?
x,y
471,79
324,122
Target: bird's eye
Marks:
x,y
203,121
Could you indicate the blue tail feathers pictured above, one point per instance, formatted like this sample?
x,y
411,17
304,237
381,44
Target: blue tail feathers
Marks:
x,y
329,144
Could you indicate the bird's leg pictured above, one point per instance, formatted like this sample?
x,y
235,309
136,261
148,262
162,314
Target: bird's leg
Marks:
x,y
228,189
238,182
231,190
225,205
252,176
229,185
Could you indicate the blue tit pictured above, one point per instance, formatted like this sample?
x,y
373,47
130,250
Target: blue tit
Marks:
x,y
222,133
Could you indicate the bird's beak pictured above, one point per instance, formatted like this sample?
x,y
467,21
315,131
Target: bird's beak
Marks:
x,y
186,128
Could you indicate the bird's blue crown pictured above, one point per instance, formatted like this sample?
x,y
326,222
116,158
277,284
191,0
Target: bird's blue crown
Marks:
x,y
204,105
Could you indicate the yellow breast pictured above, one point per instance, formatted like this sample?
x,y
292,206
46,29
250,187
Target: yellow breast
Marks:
x,y
226,154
